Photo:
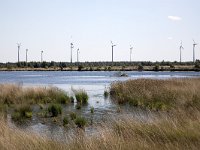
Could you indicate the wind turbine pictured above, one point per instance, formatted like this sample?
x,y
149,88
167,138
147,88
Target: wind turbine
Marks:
x,y
131,49
26,55
42,56
112,49
194,45
181,47
78,51
18,46
72,46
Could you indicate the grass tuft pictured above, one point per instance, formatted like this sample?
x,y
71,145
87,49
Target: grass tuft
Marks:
x,y
81,96
80,122
55,110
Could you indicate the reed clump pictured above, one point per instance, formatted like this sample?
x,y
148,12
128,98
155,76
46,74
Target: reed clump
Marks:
x,y
158,94
15,94
81,96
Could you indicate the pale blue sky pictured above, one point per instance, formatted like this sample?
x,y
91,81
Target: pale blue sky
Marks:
x,y
49,24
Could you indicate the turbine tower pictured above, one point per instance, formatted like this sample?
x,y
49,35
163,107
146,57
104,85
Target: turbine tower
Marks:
x,y
181,47
42,56
72,46
112,49
131,49
194,45
18,46
78,51
26,55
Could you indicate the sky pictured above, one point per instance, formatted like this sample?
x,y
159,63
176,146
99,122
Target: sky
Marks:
x,y
154,28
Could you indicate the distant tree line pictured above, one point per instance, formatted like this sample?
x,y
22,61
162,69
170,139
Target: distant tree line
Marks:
x,y
81,65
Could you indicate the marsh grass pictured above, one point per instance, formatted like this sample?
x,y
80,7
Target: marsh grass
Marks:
x,y
11,94
165,132
158,94
55,110
175,129
81,96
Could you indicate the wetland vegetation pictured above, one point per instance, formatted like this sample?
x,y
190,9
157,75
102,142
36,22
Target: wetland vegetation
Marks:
x,y
176,125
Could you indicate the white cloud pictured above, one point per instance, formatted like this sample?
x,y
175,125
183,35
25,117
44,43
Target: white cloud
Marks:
x,y
175,18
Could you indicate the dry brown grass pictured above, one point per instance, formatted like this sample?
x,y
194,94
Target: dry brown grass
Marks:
x,y
16,94
16,139
118,134
158,94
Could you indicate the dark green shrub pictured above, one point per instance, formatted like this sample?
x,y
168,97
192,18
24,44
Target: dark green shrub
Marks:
x,y
156,67
106,93
65,121
140,67
72,115
197,65
80,67
80,122
55,110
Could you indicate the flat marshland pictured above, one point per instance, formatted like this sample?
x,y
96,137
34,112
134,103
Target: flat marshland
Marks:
x,y
176,125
